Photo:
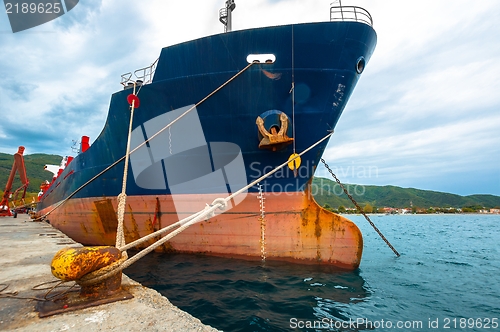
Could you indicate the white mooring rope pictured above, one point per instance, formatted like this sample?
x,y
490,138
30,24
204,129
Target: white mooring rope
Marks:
x,y
206,213
59,204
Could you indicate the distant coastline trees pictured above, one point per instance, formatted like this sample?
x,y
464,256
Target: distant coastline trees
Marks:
x,y
368,209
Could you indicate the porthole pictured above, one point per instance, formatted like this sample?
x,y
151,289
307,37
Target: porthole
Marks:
x,y
360,65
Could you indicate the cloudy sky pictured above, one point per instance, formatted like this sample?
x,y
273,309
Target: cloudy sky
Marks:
x,y
425,114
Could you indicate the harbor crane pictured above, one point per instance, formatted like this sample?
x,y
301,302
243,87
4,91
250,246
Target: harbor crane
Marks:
x,y
17,167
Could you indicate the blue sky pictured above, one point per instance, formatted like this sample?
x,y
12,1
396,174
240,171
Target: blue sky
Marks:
x,y
425,113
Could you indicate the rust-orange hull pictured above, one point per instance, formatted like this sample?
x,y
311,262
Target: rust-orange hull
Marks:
x,y
294,227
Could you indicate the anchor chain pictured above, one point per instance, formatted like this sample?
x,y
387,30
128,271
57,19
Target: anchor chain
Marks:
x,y
359,208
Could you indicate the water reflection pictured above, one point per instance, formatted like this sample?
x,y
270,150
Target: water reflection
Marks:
x,y
240,295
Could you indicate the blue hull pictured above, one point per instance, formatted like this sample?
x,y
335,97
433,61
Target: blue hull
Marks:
x,y
324,67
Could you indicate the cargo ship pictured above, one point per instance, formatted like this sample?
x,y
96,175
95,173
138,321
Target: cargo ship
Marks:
x,y
253,99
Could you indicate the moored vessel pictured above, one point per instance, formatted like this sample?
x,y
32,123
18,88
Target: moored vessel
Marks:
x,y
214,115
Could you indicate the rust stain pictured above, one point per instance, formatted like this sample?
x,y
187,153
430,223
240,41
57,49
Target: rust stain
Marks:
x,y
134,233
107,215
334,224
273,76
317,228
129,235
304,218
333,238
167,248
157,216
84,229
150,229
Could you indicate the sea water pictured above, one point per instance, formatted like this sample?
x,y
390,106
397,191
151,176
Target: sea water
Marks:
x,y
447,279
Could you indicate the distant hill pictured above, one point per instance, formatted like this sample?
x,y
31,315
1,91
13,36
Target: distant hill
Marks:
x,y
325,191
329,192
34,170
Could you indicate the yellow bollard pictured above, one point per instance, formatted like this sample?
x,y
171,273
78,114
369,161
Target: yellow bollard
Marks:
x,y
73,263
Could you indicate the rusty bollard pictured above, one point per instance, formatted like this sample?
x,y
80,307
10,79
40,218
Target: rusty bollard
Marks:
x,y
71,264
75,264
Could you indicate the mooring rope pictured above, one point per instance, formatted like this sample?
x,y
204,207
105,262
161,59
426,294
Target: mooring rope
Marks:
x,y
122,197
46,297
227,199
57,205
293,92
206,213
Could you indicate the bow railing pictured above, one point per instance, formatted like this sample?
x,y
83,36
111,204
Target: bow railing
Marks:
x,y
143,76
350,13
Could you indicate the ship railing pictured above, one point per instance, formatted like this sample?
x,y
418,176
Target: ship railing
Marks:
x,y
350,13
142,76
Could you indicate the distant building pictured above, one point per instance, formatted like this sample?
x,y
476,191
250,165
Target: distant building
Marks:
x,y
389,210
496,211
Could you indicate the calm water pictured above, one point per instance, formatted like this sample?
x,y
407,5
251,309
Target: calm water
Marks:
x,y
447,278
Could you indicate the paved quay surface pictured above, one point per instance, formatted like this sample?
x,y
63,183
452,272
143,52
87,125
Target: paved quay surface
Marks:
x,y
26,250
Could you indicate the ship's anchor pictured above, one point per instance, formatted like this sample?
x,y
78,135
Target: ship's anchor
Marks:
x,y
274,140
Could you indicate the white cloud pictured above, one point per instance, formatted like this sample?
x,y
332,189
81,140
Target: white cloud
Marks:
x,y
427,102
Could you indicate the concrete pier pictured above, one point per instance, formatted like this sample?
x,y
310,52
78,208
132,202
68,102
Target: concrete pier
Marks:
x,y
26,250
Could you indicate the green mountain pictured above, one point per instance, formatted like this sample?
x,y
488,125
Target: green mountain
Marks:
x,y
324,190
34,170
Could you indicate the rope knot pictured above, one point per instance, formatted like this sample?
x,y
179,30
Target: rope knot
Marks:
x,y
104,272
222,202
218,201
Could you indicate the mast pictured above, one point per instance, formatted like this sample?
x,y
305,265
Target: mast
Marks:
x,y
225,15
